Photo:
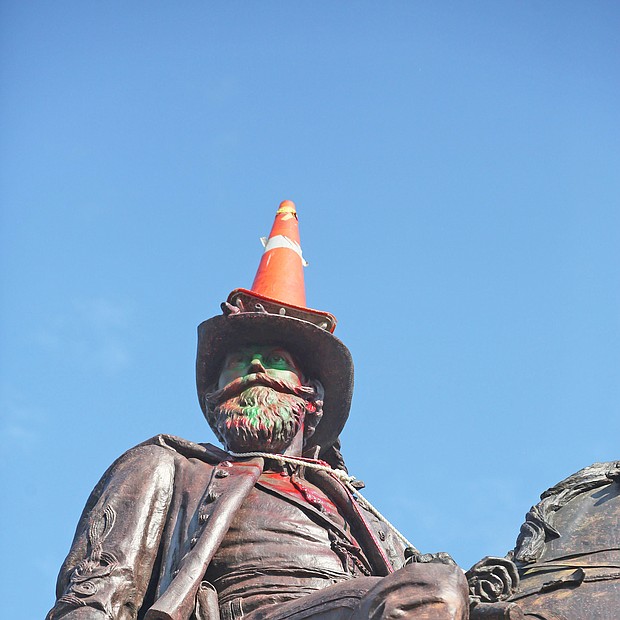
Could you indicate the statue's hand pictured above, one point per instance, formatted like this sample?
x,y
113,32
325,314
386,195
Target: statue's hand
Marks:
x,y
414,556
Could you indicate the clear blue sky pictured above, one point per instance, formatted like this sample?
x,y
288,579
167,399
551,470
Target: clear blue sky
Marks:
x,y
456,170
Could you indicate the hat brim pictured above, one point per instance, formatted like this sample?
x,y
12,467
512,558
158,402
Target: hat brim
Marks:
x,y
320,354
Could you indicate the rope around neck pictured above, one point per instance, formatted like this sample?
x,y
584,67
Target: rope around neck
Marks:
x,y
338,473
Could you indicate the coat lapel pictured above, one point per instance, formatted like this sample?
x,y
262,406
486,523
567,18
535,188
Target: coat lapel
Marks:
x,y
360,527
231,484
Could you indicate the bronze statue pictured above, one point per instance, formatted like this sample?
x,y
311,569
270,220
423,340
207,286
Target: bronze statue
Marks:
x,y
272,527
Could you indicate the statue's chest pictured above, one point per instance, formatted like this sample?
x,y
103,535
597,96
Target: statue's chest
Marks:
x,y
278,528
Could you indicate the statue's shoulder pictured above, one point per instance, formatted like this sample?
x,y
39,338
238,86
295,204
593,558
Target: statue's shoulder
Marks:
x,y
166,451
183,448
157,463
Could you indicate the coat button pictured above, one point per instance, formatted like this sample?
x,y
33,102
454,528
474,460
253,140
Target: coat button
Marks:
x,y
203,518
193,541
222,473
211,497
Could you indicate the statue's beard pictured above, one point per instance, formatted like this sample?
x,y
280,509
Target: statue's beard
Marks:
x,y
259,418
261,413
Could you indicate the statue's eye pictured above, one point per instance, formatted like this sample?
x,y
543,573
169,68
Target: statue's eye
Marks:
x,y
235,361
275,360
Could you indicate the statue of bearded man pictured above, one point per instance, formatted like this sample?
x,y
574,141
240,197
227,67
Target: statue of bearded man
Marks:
x,y
272,527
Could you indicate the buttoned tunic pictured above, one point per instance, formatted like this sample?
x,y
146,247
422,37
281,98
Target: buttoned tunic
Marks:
x,y
281,547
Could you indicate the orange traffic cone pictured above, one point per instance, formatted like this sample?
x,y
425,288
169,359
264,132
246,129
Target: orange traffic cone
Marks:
x,y
280,274
278,286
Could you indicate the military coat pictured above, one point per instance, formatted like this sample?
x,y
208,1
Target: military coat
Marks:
x,y
156,518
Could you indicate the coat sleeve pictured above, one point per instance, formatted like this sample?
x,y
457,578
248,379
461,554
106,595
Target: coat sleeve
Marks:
x,y
390,542
112,559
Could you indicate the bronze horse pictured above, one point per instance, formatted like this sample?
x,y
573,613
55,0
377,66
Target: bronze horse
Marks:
x,y
566,562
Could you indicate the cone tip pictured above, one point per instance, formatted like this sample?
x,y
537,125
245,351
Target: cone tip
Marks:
x,y
287,206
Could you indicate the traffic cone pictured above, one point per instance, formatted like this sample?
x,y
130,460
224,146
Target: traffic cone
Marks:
x,y
280,274
278,286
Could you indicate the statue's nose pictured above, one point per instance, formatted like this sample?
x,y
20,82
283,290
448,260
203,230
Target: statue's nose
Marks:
x,y
256,365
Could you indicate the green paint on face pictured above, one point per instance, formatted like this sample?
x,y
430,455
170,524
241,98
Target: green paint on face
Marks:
x,y
273,360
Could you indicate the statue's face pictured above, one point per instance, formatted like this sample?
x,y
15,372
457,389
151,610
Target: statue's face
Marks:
x,y
261,400
275,361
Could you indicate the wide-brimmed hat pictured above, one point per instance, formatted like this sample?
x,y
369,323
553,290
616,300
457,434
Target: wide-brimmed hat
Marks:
x,y
274,312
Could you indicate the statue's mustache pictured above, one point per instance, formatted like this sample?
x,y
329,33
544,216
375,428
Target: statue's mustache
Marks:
x,y
237,386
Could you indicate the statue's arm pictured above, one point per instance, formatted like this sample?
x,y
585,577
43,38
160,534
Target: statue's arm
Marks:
x,y
112,559
397,550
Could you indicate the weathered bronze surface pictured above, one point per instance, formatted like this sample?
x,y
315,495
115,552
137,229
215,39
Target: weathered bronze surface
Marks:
x,y
177,530
273,528
566,563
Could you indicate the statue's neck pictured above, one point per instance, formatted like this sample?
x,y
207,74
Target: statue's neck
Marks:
x,y
294,449
296,446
